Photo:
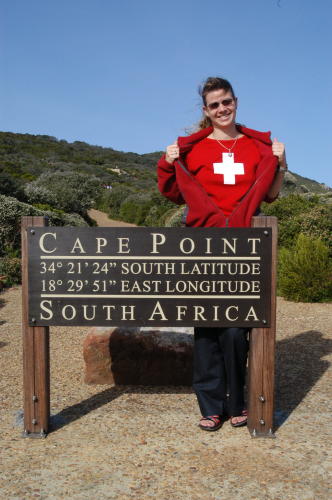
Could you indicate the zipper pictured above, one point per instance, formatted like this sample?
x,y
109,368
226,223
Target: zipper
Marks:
x,y
195,180
247,193
183,167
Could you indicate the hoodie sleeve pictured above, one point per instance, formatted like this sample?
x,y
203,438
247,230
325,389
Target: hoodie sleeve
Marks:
x,y
167,181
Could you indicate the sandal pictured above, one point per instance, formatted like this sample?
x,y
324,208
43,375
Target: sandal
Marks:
x,y
243,422
216,419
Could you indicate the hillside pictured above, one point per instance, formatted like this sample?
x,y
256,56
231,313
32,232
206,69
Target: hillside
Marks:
x,y
24,157
67,182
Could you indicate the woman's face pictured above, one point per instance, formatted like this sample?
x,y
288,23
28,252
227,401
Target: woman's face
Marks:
x,y
220,108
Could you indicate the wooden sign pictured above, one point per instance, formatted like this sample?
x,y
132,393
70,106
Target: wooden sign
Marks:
x,y
149,276
69,261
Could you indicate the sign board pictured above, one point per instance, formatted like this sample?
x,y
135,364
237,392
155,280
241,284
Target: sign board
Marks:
x,y
149,276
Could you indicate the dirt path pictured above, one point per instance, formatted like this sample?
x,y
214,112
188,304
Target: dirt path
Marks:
x,y
103,220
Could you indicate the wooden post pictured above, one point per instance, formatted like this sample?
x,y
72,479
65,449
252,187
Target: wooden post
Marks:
x,y
36,366
262,354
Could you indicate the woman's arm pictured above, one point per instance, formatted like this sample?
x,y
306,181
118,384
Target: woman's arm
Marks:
x,y
278,149
166,175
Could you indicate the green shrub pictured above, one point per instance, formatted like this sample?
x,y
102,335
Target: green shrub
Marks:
x,y
159,207
10,271
318,224
45,207
37,194
103,201
305,271
145,208
9,186
11,211
153,217
135,208
174,217
116,197
67,191
289,206
297,214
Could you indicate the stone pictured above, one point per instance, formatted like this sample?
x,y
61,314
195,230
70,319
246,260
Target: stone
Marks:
x,y
131,356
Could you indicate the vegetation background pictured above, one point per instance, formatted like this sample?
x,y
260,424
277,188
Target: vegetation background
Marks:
x,y
41,175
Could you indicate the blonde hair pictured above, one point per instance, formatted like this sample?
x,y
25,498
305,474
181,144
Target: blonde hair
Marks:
x,y
204,123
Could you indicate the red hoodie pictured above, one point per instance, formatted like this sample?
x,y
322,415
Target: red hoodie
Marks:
x,y
179,185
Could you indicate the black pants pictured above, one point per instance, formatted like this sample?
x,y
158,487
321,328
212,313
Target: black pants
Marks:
x,y
220,357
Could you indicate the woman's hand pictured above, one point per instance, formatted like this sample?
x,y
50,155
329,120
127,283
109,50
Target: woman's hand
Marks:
x,y
278,149
172,152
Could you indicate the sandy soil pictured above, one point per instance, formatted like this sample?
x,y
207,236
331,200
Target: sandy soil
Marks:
x,y
103,220
143,442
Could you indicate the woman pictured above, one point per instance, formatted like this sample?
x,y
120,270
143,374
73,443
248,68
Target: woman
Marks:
x,y
222,172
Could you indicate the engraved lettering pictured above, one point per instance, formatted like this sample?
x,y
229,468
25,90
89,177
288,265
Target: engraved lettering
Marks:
x,y
41,242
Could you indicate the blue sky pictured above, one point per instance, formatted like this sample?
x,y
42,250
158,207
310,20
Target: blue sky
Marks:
x,y
125,74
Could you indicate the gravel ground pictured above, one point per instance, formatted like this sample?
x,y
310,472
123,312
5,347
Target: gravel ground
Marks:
x,y
134,442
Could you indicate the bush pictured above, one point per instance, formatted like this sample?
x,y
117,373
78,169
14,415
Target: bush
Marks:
x,y
318,224
10,271
103,202
153,217
175,217
159,206
116,197
39,194
11,211
146,208
297,214
135,208
67,191
305,271
289,206
9,186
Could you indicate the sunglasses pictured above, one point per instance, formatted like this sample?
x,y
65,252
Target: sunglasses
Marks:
x,y
224,102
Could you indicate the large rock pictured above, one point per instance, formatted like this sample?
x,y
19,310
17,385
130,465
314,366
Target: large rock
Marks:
x,y
129,356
